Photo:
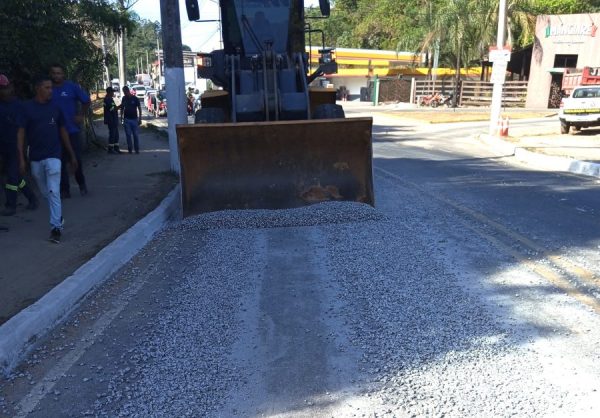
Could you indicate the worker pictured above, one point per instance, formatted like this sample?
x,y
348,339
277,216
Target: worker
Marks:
x,y
131,116
69,95
10,111
42,129
111,119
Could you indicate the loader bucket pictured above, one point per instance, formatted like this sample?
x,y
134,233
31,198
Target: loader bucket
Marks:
x,y
274,165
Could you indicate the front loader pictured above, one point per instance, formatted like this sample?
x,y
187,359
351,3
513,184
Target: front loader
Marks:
x,y
266,139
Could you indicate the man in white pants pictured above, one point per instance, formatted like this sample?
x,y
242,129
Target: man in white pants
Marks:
x,y
42,125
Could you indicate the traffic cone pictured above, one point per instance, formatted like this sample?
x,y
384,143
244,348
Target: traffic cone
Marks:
x,y
504,126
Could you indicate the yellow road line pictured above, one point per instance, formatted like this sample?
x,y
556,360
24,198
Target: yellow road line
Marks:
x,y
561,262
543,271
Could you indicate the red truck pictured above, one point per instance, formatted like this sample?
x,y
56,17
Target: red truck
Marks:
x,y
575,77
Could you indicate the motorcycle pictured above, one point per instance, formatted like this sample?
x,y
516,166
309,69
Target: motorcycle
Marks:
x,y
447,100
432,100
190,105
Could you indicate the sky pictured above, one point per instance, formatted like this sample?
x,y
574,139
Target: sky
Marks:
x,y
201,37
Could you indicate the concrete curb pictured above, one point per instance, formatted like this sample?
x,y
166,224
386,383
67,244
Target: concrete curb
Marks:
x,y
19,334
542,161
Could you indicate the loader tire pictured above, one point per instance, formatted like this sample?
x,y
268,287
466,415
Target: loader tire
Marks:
x,y
209,115
329,111
564,127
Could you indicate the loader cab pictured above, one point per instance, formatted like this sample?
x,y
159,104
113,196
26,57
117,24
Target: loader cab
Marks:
x,y
263,64
264,25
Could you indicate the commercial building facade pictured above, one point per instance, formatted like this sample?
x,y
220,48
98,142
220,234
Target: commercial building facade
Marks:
x,y
561,41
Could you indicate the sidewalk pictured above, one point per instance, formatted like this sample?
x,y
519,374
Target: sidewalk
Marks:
x,y
122,190
577,152
539,148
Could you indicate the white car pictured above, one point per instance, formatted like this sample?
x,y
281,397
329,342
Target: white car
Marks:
x,y
581,109
139,91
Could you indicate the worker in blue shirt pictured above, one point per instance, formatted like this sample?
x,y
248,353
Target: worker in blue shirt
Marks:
x,y
42,129
74,103
10,111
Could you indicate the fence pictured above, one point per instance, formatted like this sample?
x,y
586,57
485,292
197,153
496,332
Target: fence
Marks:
x,y
479,93
473,93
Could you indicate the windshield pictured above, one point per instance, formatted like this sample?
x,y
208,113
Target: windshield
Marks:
x,y
268,20
585,93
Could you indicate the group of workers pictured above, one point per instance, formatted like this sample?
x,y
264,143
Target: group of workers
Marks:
x,y
131,117
44,132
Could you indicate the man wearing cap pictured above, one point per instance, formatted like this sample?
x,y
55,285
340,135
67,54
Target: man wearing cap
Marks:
x,y
10,111
42,124
111,119
69,96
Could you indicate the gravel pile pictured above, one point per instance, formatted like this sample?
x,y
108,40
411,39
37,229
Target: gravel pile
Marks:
x,y
426,345
179,366
313,215
429,347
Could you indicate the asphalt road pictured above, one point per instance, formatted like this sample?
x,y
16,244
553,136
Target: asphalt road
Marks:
x,y
470,290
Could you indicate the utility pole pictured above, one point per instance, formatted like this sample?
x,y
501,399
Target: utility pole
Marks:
x,y
158,60
174,78
499,74
106,76
122,63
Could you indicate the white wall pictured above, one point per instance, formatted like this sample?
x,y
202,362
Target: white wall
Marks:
x,y
353,84
557,35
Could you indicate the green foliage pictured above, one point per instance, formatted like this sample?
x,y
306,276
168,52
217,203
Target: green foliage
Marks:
x,y
554,7
35,34
414,24
463,29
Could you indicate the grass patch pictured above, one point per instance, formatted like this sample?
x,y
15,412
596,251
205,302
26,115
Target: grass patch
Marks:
x,y
448,116
152,127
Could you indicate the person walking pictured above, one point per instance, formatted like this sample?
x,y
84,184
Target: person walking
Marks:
x,y
131,115
111,119
43,125
10,111
74,102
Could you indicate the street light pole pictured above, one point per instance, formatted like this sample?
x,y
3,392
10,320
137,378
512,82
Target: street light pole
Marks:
x,y
174,78
499,79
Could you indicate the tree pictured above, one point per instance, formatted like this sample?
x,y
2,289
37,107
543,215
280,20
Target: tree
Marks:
x,y
35,34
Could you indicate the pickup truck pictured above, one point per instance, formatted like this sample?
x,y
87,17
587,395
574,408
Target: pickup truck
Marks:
x,y
580,109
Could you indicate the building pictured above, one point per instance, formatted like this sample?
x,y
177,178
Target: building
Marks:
x,y
358,67
190,74
561,41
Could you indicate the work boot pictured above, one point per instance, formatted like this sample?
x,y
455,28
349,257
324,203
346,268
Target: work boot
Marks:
x,y
9,211
55,236
83,190
33,204
111,150
117,150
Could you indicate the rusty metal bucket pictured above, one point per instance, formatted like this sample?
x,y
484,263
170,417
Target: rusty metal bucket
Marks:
x,y
274,165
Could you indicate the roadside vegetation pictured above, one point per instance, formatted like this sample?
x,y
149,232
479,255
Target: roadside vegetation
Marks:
x,y
35,34
462,30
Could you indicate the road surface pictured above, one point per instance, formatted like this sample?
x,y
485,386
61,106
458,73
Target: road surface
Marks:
x,y
471,290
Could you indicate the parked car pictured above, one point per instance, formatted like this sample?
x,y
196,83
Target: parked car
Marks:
x,y
140,91
117,89
581,109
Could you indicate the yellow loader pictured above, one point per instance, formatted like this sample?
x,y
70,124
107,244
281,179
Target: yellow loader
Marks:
x,y
266,140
